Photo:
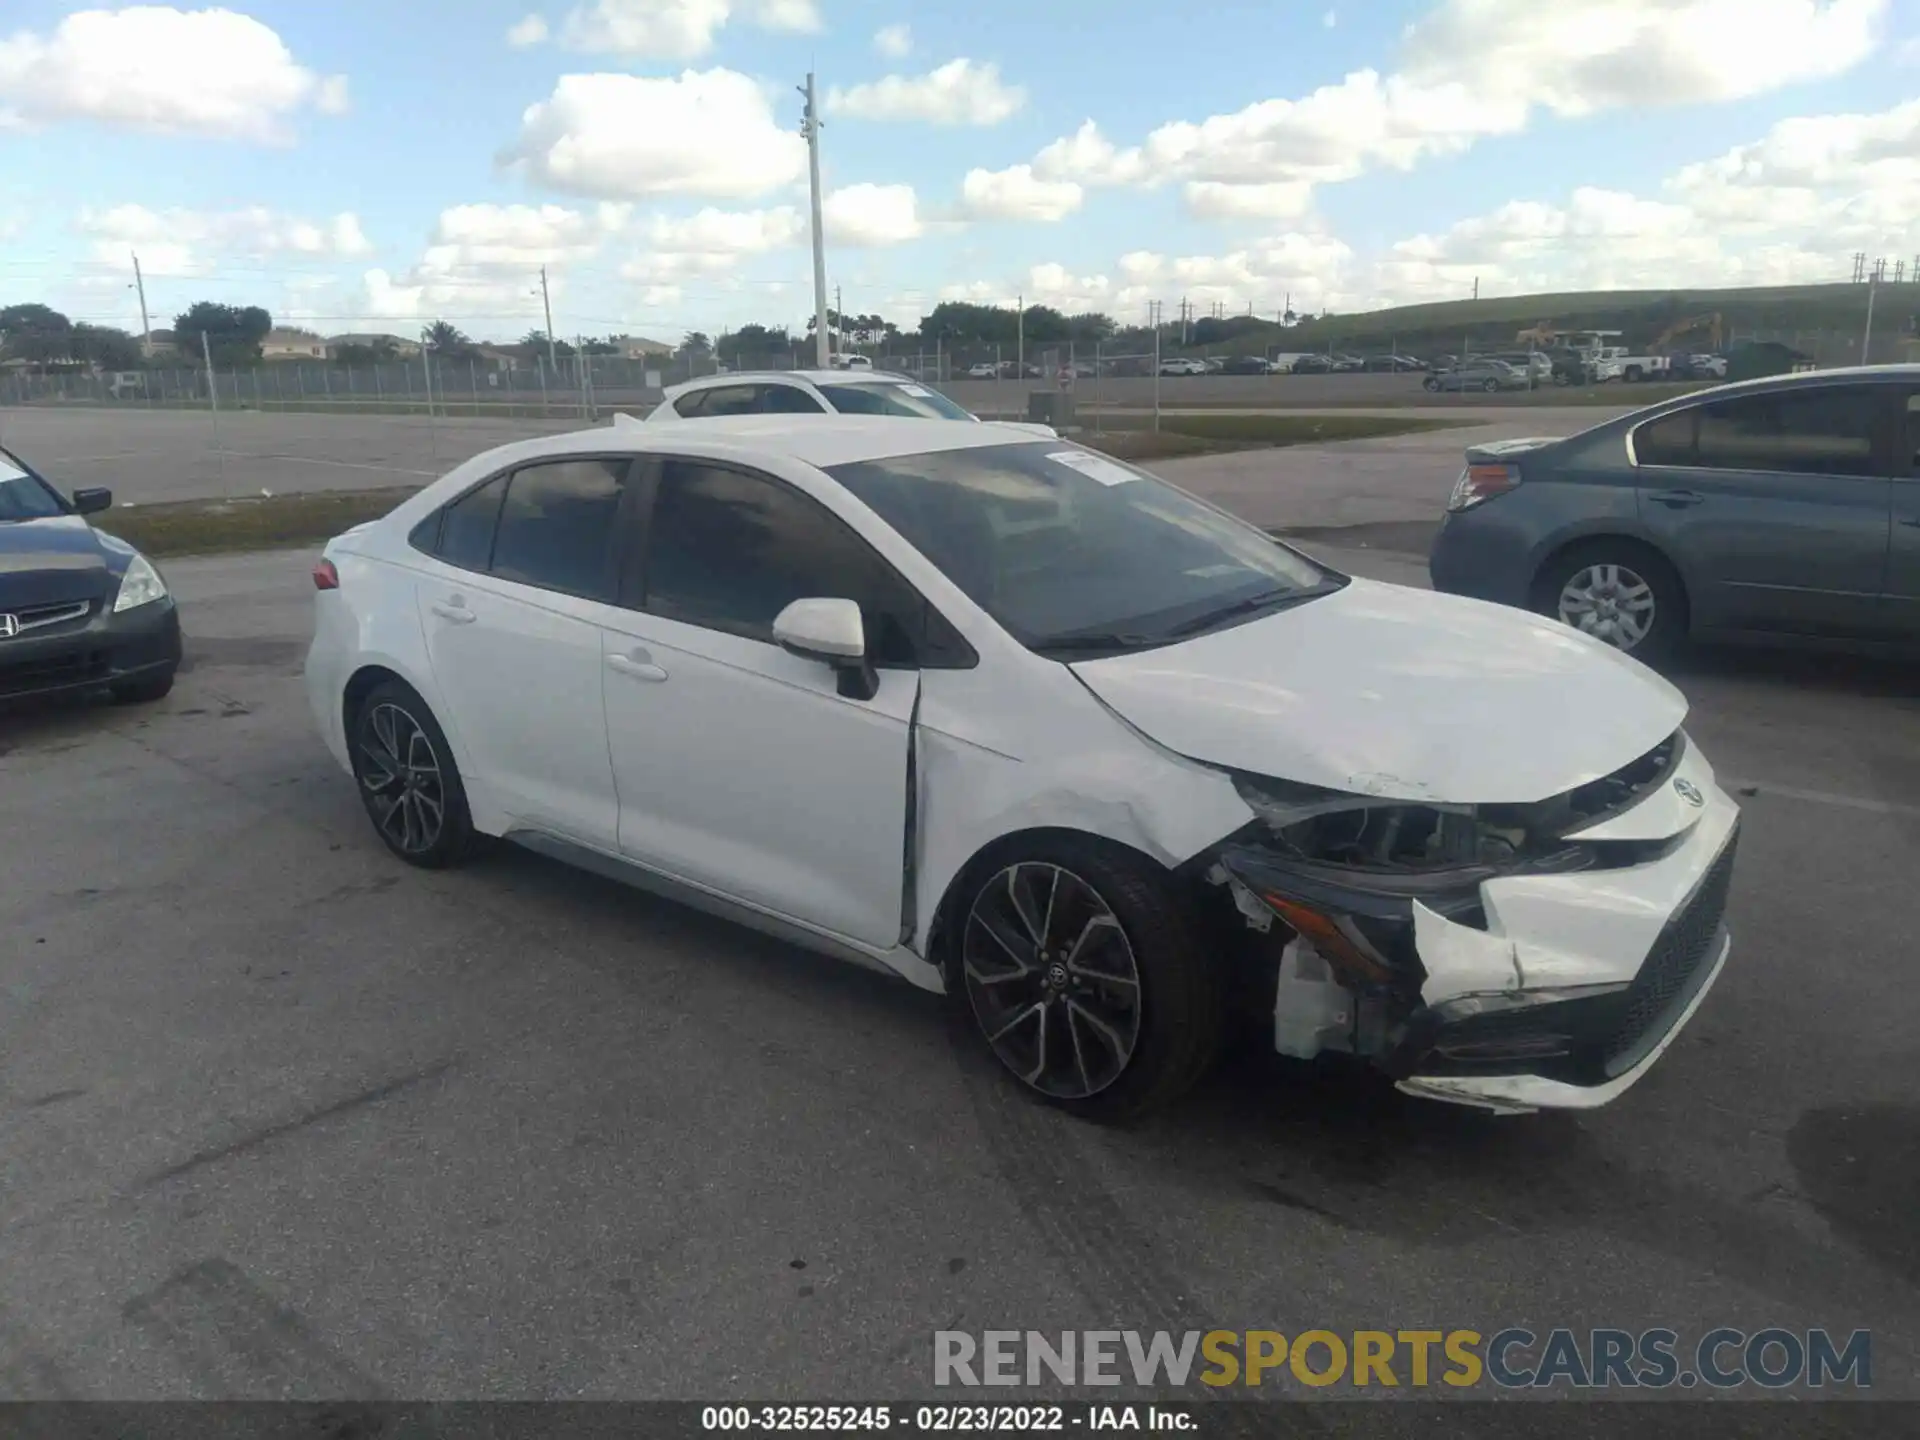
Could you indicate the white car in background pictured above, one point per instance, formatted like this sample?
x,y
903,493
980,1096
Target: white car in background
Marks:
x,y
1183,365
1015,721
813,392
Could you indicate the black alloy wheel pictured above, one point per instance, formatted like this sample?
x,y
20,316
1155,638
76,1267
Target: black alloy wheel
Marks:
x,y
408,780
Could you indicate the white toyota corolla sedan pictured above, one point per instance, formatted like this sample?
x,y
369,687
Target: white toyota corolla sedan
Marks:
x,y
1020,723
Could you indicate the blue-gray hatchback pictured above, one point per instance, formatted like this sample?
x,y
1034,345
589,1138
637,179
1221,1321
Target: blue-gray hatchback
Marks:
x,y
1786,508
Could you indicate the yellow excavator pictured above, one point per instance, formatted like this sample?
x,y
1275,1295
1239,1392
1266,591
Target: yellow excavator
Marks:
x,y
1692,324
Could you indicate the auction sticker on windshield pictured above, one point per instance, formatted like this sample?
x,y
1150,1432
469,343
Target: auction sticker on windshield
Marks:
x,y
1094,467
919,392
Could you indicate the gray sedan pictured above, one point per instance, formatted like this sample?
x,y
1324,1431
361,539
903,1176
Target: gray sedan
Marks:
x,y
1786,508
1486,375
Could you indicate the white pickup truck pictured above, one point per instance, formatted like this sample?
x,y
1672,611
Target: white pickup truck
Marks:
x,y
1617,363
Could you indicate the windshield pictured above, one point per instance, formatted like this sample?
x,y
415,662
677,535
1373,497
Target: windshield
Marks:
x,y
21,496
892,397
1062,545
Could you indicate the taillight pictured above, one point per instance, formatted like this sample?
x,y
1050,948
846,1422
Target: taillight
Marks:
x,y
1482,482
325,577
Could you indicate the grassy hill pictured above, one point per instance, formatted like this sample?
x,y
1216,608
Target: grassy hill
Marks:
x,y
1775,311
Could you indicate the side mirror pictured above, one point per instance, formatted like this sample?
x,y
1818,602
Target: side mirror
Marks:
x,y
91,502
832,632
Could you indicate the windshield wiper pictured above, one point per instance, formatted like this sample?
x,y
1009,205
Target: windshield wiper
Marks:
x,y
1113,640
1273,600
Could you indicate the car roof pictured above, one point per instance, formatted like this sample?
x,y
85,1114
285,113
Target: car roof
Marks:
x,y
762,377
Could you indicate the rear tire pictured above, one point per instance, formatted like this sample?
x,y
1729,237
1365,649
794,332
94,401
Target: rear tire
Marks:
x,y
1082,971
408,780
1608,587
1489,386
1433,385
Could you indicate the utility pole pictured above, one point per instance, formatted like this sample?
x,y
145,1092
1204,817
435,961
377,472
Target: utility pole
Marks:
x,y
1153,315
146,328
837,317
810,127
1020,337
1866,335
1476,287
546,304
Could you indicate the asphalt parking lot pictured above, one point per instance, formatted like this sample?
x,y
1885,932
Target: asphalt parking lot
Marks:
x,y
281,1117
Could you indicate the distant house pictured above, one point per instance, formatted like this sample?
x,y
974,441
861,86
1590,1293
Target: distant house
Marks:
x,y
403,349
161,342
499,357
293,344
638,347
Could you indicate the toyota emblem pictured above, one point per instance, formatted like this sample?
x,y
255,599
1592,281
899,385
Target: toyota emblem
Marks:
x,y
9,626
1689,792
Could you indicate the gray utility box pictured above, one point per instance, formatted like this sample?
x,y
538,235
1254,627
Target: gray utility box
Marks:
x,y
1051,407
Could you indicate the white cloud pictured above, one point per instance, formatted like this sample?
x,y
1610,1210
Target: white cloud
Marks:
x,y
893,41
959,92
871,215
1305,266
1089,157
156,67
709,133
530,31
1790,208
1474,69
797,17
1329,20
1016,193
1605,54
482,261
710,242
181,242
1282,200
1055,285
662,29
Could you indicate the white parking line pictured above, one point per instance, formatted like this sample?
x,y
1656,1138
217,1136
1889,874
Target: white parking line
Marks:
x,y
1741,788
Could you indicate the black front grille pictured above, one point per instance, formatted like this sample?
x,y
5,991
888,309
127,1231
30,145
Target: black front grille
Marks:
x,y
50,672
65,610
1683,947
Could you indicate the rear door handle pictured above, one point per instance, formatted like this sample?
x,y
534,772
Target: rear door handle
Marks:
x,y
1677,499
637,666
453,610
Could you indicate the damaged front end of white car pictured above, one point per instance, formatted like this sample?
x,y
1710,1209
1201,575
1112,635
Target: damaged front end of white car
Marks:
x,y
1514,957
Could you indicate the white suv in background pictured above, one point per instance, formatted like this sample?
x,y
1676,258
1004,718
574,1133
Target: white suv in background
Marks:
x,y
813,392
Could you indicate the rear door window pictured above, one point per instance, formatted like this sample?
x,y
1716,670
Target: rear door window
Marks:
x,y
1817,431
790,400
557,527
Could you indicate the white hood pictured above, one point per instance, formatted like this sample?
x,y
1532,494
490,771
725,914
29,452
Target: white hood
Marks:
x,y
1401,693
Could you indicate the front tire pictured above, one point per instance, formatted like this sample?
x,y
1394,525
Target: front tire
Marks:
x,y
1433,385
408,780
1620,593
1079,965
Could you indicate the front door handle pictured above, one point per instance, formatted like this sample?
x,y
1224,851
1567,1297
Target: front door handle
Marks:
x,y
1677,499
637,666
453,610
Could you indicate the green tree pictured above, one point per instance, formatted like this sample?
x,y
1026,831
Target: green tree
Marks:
x,y
233,332
107,347
751,341
35,332
696,342
448,341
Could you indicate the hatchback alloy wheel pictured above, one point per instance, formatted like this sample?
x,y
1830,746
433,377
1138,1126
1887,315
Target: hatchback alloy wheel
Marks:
x,y
1052,979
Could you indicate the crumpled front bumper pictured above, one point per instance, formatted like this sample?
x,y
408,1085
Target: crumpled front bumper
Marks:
x,y
1565,988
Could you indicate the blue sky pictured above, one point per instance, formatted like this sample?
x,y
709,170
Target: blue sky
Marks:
x,y
354,165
